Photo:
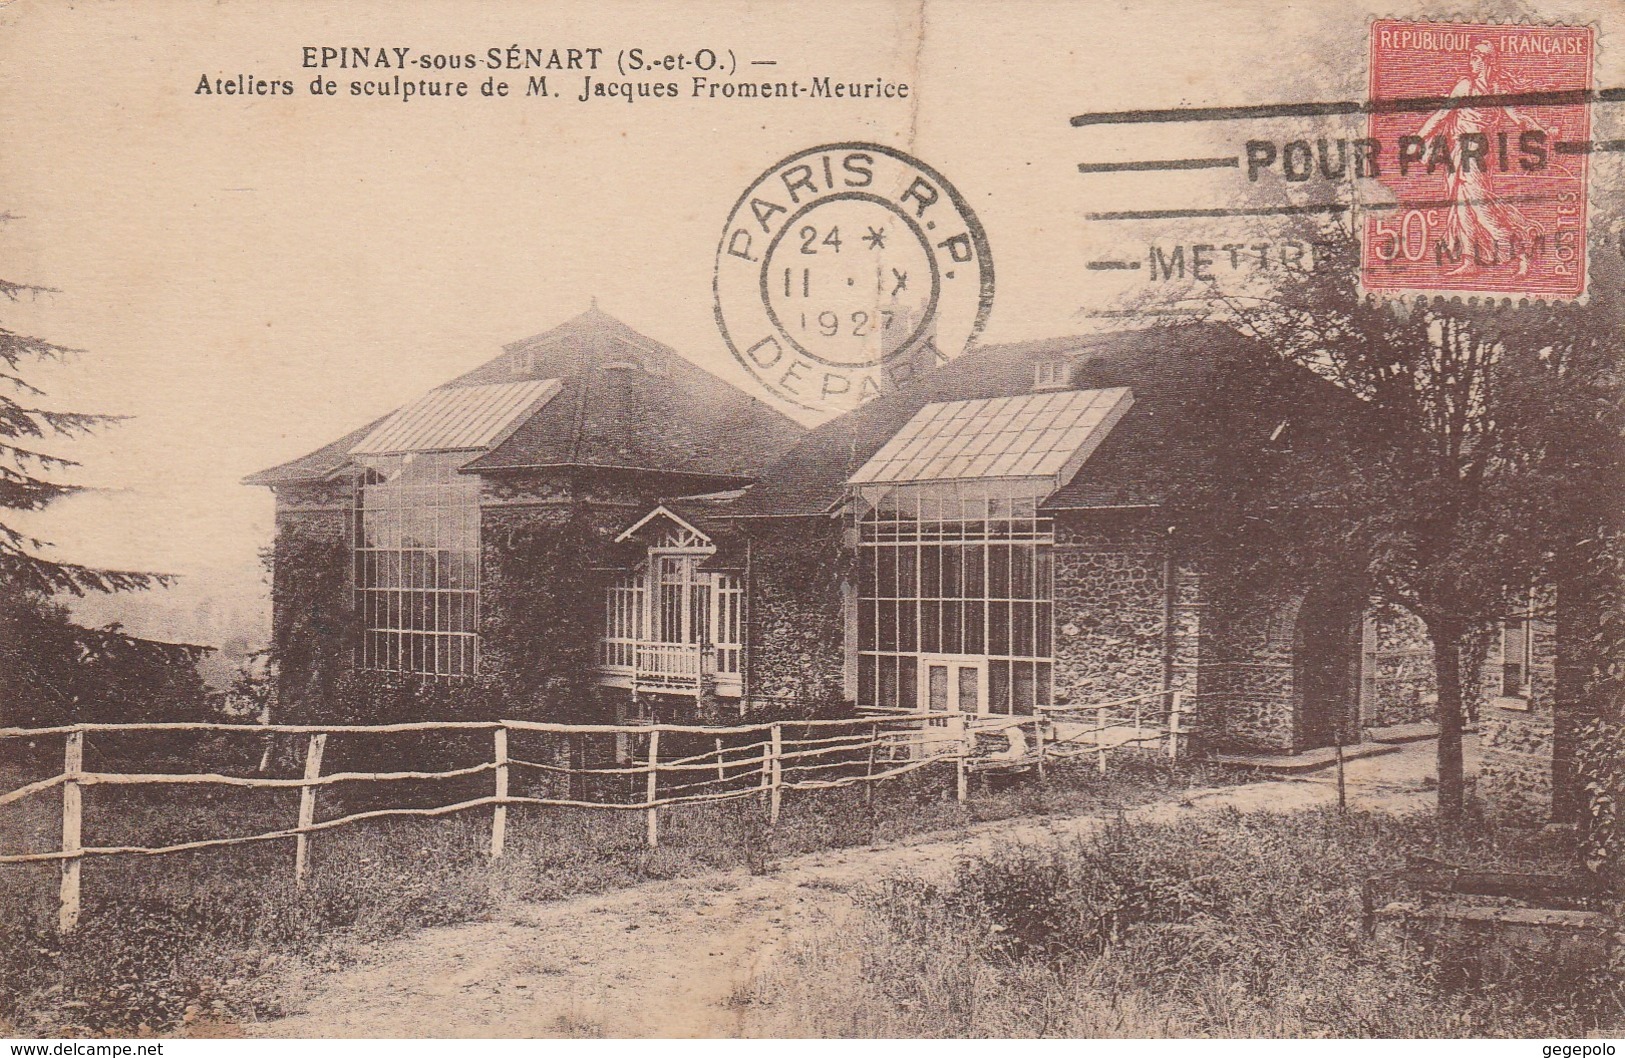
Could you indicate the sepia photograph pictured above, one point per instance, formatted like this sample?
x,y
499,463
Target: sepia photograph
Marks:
x,y
724,520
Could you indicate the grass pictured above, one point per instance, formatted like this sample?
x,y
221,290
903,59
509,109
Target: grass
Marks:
x,y
209,939
1221,925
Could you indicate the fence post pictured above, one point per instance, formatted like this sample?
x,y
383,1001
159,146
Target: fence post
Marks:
x,y
869,773
722,772
499,814
73,765
1038,741
307,808
1100,738
776,792
766,778
1175,706
961,779
652,788
1342,789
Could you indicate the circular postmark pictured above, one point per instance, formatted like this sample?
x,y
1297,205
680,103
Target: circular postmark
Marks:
x,y
845,270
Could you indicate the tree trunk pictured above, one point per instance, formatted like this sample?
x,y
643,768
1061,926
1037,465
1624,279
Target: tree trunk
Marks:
x,y
1447,644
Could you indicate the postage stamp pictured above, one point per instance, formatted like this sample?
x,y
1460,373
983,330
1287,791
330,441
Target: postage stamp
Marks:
x,y
1485,128
846,269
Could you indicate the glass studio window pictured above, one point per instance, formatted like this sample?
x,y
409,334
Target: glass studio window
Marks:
x,y
957,572
417,565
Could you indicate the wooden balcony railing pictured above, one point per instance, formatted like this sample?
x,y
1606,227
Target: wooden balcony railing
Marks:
x,y
668,666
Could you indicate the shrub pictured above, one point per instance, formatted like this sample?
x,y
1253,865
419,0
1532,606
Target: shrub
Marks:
x,y
1219,925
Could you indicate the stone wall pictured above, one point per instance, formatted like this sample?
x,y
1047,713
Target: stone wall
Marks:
x,y
1111,636
795,650
1399,683
521,522
1246,702
1232,657
612,498
1515,772
544,538
1517,738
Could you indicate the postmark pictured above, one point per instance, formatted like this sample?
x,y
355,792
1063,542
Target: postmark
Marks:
x,y
1488,188
1462,172
846,269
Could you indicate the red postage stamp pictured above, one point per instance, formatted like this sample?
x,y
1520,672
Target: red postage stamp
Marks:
x,y
1480,134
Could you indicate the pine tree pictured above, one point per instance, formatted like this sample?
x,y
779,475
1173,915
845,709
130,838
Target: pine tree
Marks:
x,y
28,475
53,670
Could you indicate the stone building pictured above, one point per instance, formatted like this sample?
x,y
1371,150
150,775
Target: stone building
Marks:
x,y
1000,535
589,525
445,554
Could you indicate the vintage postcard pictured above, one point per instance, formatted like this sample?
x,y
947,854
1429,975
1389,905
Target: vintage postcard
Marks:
x,y
867,519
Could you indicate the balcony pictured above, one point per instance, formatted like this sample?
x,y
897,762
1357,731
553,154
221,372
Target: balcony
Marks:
x,y
670,668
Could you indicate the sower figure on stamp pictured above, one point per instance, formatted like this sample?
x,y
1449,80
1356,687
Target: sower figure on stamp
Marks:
x,y
1482,227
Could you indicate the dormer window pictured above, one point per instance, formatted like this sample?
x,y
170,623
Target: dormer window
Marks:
x,y
1051,375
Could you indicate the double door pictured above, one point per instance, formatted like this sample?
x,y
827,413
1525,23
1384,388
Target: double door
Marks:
x,y
953,684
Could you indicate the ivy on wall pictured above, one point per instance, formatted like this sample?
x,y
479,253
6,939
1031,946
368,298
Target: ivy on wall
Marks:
x,y
541,607
314,626
541,601
1600,766
1597,656
796,625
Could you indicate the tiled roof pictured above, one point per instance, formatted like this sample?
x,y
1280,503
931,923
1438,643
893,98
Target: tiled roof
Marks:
x,y
628,401
1142,459
624,400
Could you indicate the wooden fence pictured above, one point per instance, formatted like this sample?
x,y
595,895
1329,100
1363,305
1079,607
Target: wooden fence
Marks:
x,y
762,760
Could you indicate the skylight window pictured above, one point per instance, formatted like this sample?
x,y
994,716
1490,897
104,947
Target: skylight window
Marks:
x,y
459,418
1039,435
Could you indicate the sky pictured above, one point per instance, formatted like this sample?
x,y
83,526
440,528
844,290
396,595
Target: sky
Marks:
x,y
254,276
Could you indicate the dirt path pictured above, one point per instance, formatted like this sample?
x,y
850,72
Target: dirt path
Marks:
x,y
664,959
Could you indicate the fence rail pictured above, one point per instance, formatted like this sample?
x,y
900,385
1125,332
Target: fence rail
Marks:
x,y
773,758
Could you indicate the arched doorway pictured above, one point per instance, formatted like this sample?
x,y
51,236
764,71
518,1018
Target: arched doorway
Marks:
x,y
1326,668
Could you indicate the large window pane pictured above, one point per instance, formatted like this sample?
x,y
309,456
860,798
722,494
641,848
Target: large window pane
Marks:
x,y
930,627
998,686
998,571
908,682
930,572
888,684
1023,692
953,626
998,628
885,571
417,566
961,585
908,627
